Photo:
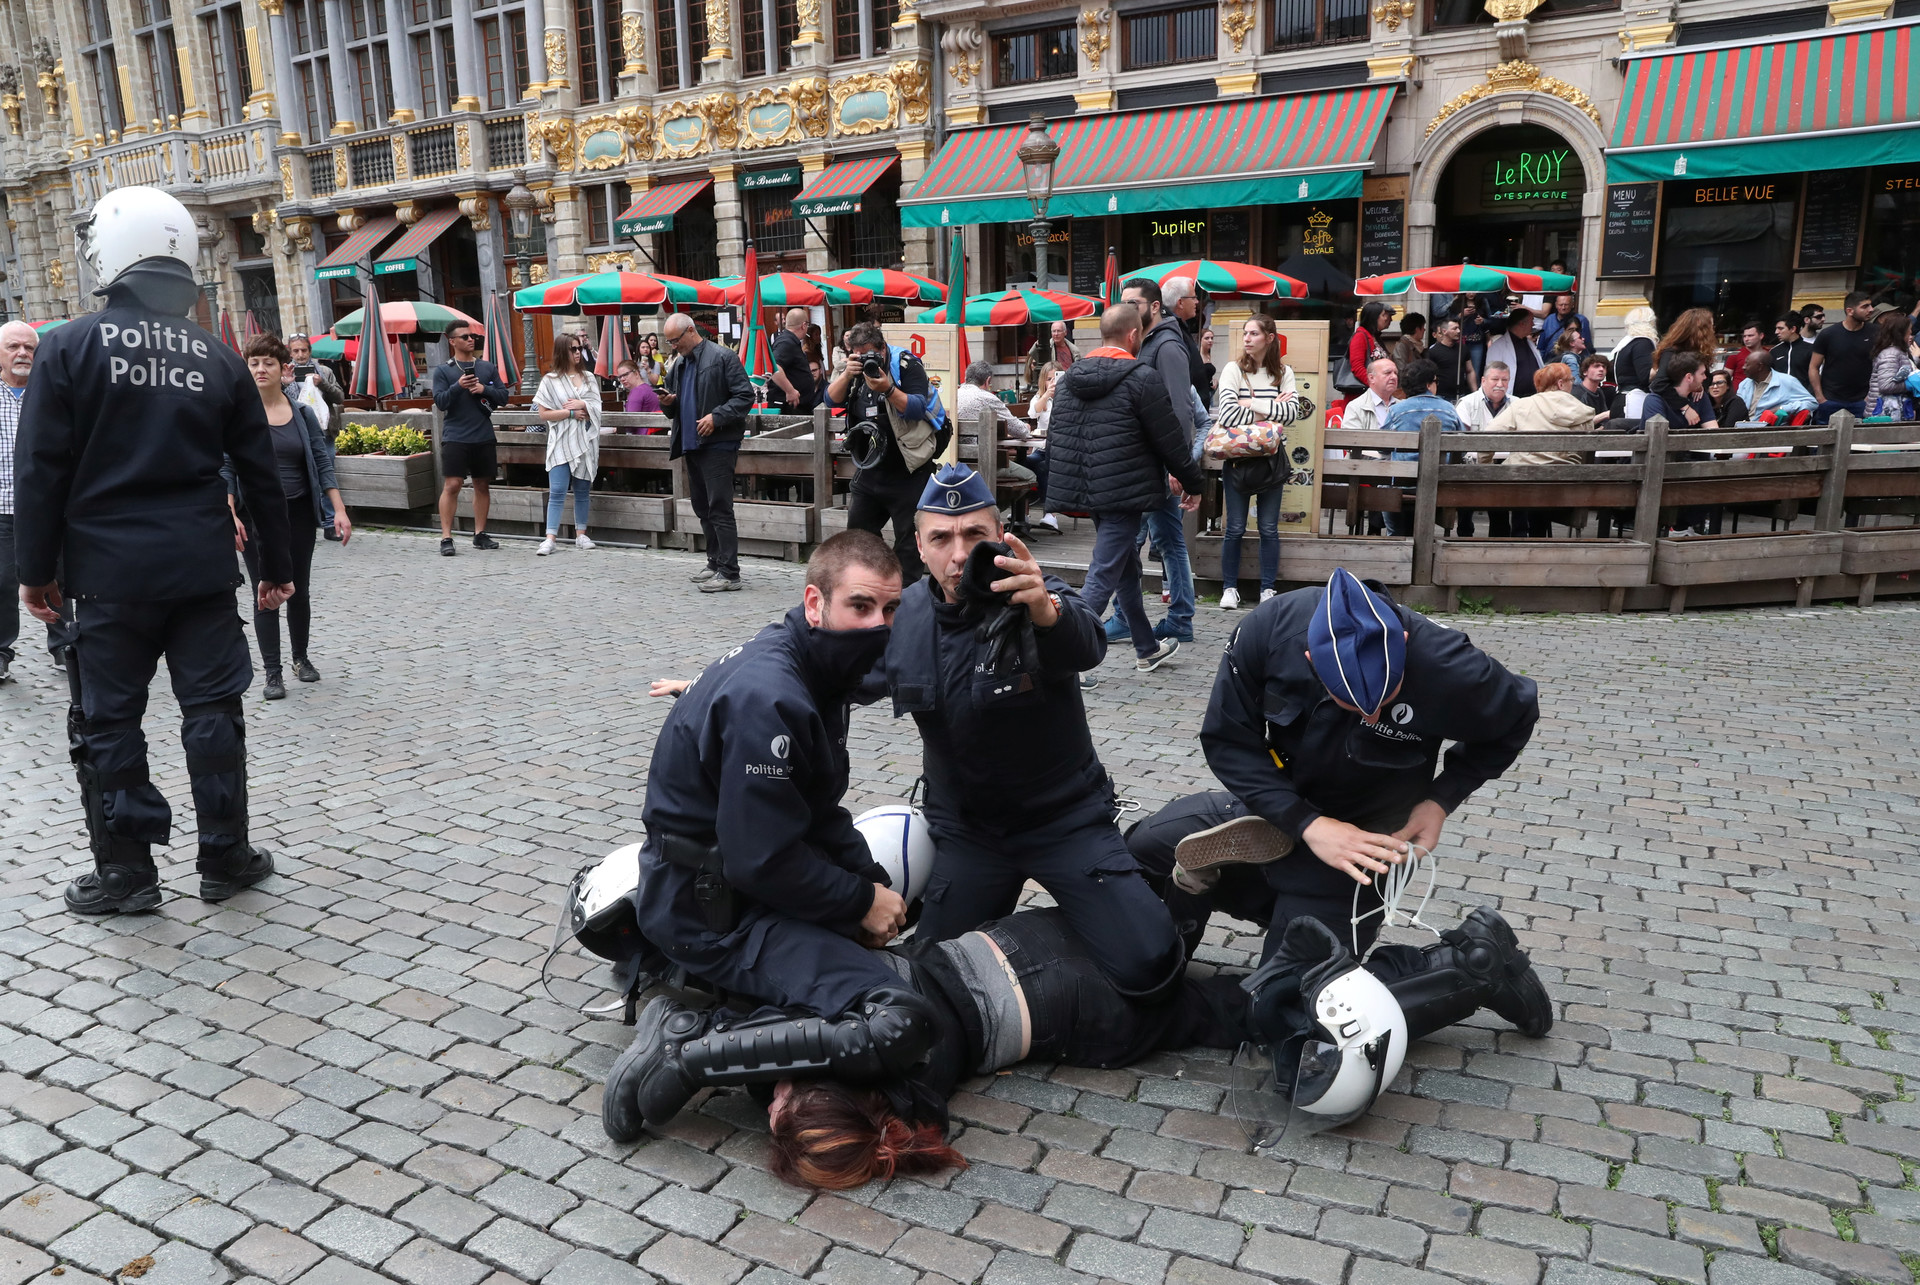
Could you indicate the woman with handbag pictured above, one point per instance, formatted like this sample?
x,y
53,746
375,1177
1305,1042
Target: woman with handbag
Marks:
x,y
1893,351
1257,398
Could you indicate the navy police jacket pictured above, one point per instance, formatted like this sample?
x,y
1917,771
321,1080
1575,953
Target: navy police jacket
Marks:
x,y
1000,750
753,757
127,418
1276,740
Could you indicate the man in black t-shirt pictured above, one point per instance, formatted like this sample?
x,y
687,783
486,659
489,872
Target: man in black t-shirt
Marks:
x,y
1842,361
791,389
1449,357
1794,351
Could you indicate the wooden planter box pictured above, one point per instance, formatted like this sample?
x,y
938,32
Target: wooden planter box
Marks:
x,y
623,512
1873,552
387,481
757,519
831,522
1729,559
1572,564
1311,559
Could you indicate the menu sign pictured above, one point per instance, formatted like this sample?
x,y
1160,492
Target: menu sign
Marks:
x,y
1382,237
1232,239
1830,220
1089,263
1629,243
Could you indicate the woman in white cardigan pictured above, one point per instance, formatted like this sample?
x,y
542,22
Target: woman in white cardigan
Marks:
x,y
1261,382
568,399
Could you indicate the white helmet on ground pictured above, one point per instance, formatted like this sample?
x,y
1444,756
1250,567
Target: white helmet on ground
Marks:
x,y
130,225
599,905
898,837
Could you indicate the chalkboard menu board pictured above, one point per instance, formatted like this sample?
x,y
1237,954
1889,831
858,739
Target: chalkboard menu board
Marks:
x,y
1630,238
1089,257
1830,220
1232,240
1383,237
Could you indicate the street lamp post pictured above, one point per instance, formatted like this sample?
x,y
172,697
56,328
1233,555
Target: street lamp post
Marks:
x,y
1037,155
521,205
210,274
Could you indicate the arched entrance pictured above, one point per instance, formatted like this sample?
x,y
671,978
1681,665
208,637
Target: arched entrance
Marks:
x,y
1511,195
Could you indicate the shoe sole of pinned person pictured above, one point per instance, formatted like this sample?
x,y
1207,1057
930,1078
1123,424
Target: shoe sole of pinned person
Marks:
x,y
1243,841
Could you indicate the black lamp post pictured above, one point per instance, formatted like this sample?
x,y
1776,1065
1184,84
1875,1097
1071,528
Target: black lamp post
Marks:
x,y
521,205
1037,155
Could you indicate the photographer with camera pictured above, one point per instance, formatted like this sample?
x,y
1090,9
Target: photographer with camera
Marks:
x,y
895,430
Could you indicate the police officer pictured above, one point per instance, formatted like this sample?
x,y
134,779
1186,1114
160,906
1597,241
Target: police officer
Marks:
x,y
895,430
126,421
1325,725
986,655
753,878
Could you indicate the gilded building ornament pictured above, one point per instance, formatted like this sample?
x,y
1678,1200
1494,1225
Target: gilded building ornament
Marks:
x,y
1515,77
537,272
263,221
612,261
11,104
56,274
556,46
682,131
271,8
865,104
297,233
49,82
349,220
602,143
719,28
557,137
1236,20
633,43
399,144
463,144
1510,10
807,12
478,207
637,121
809,97
722,111
963,44
1095,35
769,117
342,175
913,80
1391,13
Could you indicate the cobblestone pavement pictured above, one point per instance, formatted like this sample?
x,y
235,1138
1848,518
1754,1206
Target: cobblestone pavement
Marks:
x,y
352,1073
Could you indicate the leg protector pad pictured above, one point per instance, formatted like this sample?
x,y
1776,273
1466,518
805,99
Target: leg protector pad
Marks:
x,y
1478,964
887,1036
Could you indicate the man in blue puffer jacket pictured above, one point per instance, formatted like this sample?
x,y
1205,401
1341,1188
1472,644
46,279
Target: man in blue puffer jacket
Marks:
x,y
1113,441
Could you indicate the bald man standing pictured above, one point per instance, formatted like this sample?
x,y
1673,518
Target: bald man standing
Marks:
x,y
790,389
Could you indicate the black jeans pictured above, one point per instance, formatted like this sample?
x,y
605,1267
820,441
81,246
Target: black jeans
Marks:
x,y
710,486
874,502
121,645
58,636
266,624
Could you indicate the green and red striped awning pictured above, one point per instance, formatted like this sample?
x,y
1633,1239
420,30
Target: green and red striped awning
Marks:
x,y
1834,100
399,256
838,188
654,210
358,245
1256,151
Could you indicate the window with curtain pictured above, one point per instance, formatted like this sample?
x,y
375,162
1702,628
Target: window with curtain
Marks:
x,y
1045,53
102,68
666,39
1168,36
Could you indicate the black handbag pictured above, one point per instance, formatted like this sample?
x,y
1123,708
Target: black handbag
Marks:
x,y
1258,474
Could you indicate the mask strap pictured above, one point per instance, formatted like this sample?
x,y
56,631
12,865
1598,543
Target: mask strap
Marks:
x,y
1393,887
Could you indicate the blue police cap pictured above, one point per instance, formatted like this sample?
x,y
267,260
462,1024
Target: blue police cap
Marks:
x,y
955,488
1358,643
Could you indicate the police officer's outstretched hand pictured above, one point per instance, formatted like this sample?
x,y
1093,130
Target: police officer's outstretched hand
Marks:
x,y
1423,825
42,602
1360,854
885,917
271,596
1026,583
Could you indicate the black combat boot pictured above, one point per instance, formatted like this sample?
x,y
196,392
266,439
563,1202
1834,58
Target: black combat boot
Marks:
x,y
235,868
1477,965
124,882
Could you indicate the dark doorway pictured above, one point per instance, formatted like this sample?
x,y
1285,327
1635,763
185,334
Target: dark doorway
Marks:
x,y
1511,197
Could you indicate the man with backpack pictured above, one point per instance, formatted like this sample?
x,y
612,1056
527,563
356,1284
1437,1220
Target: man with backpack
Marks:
x,y
896,429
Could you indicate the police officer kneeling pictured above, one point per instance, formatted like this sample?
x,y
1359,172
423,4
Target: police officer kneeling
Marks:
x,y
126,420
1325,725
752,877
986,655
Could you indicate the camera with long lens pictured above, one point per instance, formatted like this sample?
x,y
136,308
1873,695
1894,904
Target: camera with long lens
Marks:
x,y
867,440
873,367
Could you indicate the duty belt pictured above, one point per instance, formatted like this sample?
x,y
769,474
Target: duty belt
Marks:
x,y
711,890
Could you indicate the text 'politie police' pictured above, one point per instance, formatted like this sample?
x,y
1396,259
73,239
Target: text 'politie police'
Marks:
x,y
154,371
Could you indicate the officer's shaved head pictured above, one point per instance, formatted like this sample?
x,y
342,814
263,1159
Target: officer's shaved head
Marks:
x,y
853,582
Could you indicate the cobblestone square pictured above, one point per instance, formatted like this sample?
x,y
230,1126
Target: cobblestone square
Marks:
x,y
1712,848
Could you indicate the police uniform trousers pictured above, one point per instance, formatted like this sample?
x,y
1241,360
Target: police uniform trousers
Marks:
x,y
120,646
1270,895
788,963
1082,861
875,501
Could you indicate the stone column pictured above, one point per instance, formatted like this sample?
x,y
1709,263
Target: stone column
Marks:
x,y
568,250
916,244
1099,58
557,53
286,85
964,46
819,247
407,104
346,96
469,79
636,75
730,231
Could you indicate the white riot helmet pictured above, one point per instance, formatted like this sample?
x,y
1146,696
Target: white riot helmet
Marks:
x,y
599,905
1330,1038
897,836
130,225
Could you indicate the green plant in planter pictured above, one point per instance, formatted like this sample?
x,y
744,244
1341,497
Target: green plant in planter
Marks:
x,y
359,439
403,440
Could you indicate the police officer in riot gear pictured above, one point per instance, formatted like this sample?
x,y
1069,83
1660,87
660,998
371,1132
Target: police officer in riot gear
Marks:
x,y
753,878
986,655
127,418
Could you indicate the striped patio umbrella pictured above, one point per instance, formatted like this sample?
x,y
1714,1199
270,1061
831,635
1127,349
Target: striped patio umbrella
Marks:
x,y
407,317
1219,276
42,327
1018,307
330,347
227,336
957,284
887,283
613,348
1465,278
612,293
373,373
1110,288
252,326
500,335
755,349
793,290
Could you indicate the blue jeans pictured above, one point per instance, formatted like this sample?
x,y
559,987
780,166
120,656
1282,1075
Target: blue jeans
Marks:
x,y
1113,575
1828,409
558,478
1234,507
1169,536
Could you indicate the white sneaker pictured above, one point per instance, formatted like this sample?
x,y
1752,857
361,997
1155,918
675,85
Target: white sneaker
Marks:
x,y
1047,519
1154,659
1229,599
1267,593
581,542
546,547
